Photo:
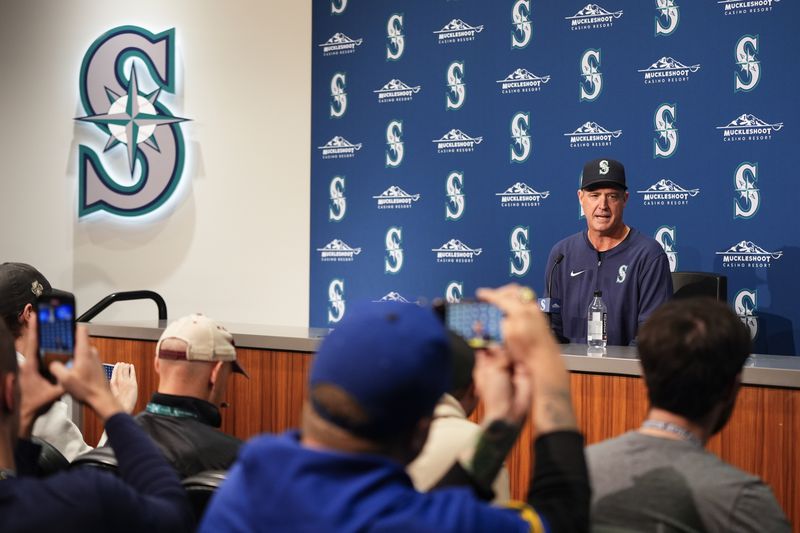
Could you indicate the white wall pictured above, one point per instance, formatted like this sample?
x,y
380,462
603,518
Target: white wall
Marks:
x,y
236,243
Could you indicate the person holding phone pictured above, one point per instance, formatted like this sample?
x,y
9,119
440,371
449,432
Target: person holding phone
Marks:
x,y
372,390
21,285
147,495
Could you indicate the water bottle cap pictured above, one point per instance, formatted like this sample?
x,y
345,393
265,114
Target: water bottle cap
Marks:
x,y
598,293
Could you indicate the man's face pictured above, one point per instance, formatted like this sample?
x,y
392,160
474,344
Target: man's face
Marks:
x,y
603,208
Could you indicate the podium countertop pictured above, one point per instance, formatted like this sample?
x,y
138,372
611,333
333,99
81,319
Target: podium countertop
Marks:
x,y
759,369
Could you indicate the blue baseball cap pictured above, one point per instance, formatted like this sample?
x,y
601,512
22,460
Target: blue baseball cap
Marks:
x,y
392,358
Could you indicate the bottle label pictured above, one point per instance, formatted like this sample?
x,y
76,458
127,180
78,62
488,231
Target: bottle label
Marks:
x,y
596,326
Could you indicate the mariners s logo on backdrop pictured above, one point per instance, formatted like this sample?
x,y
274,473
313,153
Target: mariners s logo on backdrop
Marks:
x,y
112,97
667,18
665,236
336,303
591,84
520,261
520,134
748,196
393,261
666,142
394,144
748,71
521,20
745,304
338,202
338,95
395,41
454,292
456,88
454,207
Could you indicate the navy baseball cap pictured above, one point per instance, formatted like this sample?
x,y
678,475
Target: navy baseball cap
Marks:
x,y
603,173
392,358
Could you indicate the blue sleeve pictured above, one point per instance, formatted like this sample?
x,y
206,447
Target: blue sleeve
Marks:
x,y
146,497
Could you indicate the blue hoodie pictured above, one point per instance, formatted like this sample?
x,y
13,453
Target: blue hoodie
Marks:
x,y
634,277
279,485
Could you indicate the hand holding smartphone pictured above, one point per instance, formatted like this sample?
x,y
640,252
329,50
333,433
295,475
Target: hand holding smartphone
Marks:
x,y
56,330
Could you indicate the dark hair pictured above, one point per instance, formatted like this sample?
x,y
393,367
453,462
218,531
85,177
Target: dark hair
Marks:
x,y
8,354
462,361
691,351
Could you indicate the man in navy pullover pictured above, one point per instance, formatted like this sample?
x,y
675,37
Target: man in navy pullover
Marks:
x,y
630,268
147,495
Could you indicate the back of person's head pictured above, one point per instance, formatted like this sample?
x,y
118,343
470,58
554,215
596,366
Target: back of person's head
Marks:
x,y
377,376
20,285
692,351
188,352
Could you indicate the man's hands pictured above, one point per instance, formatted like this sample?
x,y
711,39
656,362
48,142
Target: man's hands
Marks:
x,y
36,393
504,386
528,368
124,386
86,381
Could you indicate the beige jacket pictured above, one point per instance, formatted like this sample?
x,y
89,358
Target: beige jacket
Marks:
x,y
451,433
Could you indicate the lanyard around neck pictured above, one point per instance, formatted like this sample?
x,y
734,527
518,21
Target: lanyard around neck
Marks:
x,y
166,410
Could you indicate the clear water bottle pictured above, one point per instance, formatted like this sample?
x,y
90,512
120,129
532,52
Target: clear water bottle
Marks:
x,y
596,335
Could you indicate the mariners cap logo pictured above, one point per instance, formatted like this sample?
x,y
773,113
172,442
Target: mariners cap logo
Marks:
x,y
36,288
603,167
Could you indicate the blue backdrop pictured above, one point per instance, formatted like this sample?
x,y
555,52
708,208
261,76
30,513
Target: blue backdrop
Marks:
x,y
448,139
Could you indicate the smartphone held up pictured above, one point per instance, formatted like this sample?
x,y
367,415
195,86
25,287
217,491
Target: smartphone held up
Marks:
x,y
477,322
55,314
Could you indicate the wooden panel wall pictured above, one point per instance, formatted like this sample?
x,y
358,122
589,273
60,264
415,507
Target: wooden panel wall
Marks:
x,y
762,436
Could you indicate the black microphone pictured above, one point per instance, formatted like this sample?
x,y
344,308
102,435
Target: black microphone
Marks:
x,y
551,305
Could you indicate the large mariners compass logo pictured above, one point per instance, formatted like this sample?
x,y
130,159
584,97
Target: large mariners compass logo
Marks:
x,y
667,18
111,96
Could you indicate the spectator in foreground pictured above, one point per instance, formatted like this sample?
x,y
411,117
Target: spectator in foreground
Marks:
x,y
194,360
373,386
147,495
660,477
20,285
451,432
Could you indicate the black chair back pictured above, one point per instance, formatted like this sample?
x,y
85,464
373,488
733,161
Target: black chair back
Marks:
x,y
102,458
689,284
201,487
50,459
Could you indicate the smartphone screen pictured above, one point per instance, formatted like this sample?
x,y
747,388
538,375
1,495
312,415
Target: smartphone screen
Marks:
x,y
56,325
477,322
109,370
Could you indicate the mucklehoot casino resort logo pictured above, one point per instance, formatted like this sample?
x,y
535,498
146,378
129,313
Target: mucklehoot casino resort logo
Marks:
x,y
521,195
742,7
455,251
522,81
748,254
339,44
457,31
338,250
456,141
339,148
395,198
592,134
749,127
396,91
667,70
393,296
592,16
667,192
